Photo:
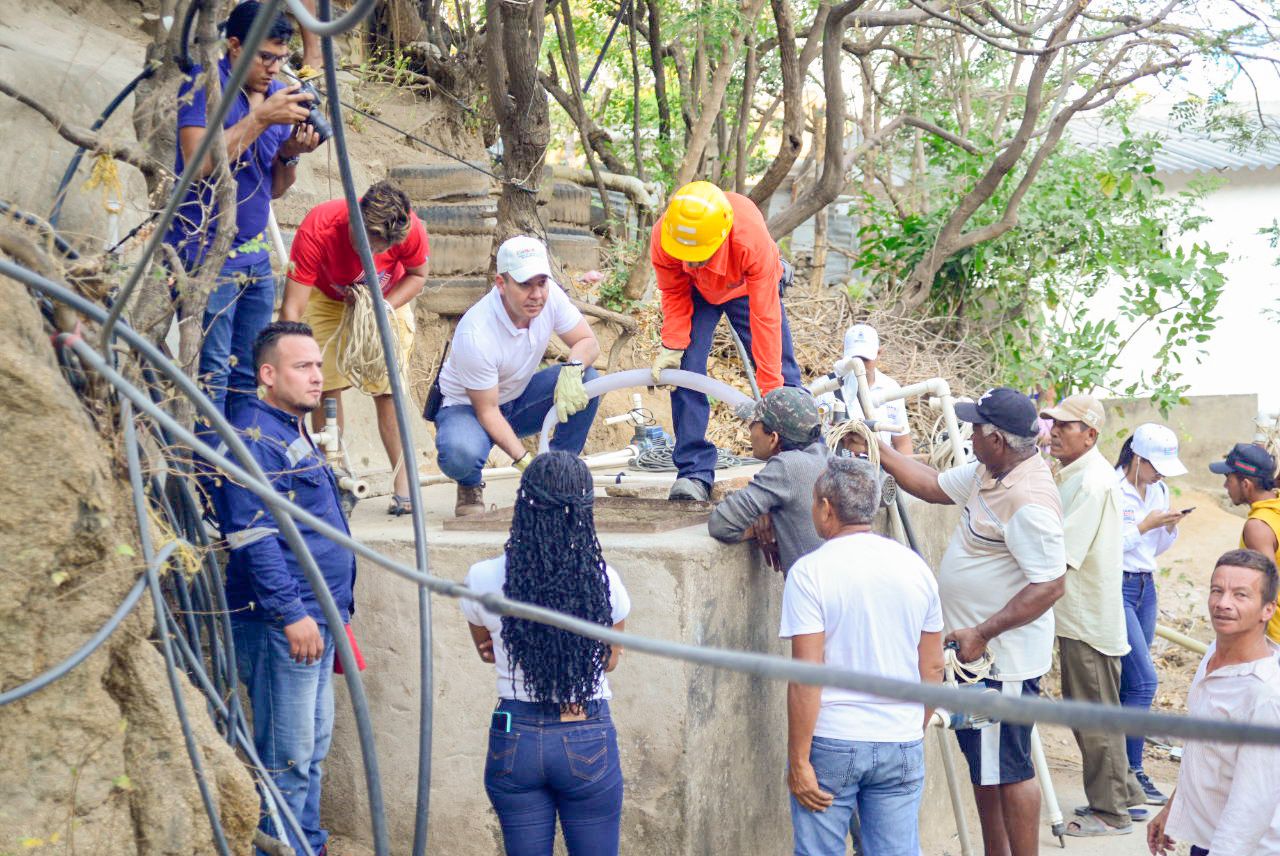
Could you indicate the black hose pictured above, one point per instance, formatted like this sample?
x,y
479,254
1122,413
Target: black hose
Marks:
x,y
408,457
48,228
183,59
60,196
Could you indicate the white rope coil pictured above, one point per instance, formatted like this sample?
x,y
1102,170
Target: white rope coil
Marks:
x,y
360,358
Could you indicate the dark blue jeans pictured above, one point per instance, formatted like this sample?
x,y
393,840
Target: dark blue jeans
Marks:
x,y
1138,679
239,307
462,445
292,718
543,767
694,456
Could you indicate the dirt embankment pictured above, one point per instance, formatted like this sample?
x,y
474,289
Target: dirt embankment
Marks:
x,y
94,763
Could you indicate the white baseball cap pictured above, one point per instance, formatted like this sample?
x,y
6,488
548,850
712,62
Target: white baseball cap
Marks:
x,y
861,340
1159,445
523,258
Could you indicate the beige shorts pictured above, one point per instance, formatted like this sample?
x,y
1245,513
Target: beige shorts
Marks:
x,y
323,314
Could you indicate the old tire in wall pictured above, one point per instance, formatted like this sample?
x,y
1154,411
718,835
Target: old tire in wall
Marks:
x,y
468,218
577,249
434,182
452,255
570,204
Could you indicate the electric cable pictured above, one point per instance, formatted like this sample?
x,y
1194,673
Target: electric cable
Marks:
x,y
1080,715
59,243
395,379
326,28
657,459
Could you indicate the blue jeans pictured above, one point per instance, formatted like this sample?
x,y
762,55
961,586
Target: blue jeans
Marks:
x,y
1138,678
543,767
694,456
880,783
292,718
462,445
239,307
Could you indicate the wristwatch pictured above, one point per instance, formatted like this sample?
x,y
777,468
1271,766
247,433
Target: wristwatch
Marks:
x,y
293,161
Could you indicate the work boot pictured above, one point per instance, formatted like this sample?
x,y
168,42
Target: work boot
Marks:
x,y
695,489
470,500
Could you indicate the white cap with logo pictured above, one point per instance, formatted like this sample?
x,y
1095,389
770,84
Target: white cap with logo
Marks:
x,y
522,258
1159,445
861,340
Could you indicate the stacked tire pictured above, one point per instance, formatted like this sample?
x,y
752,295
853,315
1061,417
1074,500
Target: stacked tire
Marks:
x,y
568,215
456,205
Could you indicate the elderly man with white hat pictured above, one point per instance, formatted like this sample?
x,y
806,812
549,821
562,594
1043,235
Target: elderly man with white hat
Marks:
x,y
1150,528
862,340
490,391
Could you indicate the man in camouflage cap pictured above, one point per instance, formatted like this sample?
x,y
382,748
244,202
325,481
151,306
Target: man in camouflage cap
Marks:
x,y
774,509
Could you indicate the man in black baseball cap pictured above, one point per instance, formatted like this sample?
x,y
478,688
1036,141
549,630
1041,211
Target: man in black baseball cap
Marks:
x,y
1002,572
1251,480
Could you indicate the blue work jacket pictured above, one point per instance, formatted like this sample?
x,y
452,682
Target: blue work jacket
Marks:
x,y
264,578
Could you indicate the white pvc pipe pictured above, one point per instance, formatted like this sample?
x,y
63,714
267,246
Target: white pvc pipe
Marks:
x,y
644,377
277,239
933,387
1050,809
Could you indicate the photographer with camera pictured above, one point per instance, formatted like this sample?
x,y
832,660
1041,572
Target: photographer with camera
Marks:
x,y
266,131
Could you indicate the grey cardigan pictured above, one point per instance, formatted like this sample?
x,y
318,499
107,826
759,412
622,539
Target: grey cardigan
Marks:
x,y
784,490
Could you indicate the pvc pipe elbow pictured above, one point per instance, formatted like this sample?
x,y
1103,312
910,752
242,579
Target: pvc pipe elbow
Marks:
x,y
644,377
359,488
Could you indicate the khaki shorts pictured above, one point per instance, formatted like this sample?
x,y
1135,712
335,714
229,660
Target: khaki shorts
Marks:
x,y
323,314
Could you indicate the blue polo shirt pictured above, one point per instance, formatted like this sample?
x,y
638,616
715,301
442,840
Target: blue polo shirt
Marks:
x,y
251,171
264,579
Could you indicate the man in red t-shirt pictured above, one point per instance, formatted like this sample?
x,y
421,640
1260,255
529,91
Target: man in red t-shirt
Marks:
x,y
712,255
324,271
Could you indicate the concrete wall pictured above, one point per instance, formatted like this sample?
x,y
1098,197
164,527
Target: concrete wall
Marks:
x,y
703,750
1207,427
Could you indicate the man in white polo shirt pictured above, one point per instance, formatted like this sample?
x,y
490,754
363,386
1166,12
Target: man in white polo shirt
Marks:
x,y
868,604
1003,570
491,390
862,340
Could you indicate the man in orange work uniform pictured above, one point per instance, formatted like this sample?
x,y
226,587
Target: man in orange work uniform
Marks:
x,y
712,255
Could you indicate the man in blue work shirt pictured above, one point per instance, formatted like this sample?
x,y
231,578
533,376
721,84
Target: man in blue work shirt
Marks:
x,y
283,644
265,133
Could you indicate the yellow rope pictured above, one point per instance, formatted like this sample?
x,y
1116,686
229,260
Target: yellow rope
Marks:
x,y
840,430
360,358
106,176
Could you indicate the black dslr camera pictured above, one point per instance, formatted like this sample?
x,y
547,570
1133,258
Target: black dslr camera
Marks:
x,y
315,116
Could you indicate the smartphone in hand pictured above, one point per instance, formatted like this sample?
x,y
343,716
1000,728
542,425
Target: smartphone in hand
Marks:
x,y
1187,510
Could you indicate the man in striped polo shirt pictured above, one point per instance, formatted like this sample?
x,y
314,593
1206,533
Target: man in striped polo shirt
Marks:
x,y
1003,569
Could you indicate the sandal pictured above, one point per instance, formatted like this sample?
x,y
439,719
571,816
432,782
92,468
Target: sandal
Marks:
x,y
1137,813
400,505
1092,826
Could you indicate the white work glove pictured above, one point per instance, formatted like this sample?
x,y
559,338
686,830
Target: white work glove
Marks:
x,y
570,396
523,462
667,358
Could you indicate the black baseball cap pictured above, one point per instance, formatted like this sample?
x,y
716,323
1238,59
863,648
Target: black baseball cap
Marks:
x,y
1248,460
1004,408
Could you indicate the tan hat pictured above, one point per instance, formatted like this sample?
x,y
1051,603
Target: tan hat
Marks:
x,y
1078,408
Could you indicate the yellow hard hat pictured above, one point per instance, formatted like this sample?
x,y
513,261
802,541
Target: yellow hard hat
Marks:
x,y
697,221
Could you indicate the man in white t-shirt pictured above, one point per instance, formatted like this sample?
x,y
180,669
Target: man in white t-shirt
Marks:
x,y
864,603
862,340
491,390
1003,570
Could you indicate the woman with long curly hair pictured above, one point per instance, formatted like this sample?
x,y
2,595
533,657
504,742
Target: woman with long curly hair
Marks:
x,y
553,750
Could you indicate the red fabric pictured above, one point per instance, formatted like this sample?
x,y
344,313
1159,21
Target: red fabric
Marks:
x,y
747,264
322,255
355,649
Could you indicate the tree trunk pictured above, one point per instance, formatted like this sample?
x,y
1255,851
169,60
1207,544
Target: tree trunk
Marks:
x,y
519,101
793,69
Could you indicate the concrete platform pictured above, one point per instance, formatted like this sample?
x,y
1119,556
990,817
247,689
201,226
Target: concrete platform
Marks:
x,y
703,750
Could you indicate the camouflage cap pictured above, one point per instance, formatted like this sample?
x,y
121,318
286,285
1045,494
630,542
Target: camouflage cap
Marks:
x,y
791,413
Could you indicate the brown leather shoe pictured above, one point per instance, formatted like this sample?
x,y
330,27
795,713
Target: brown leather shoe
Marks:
x,y
470,500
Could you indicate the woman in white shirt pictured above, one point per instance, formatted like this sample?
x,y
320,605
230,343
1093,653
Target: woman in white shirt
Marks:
x,y
553,750
1150,528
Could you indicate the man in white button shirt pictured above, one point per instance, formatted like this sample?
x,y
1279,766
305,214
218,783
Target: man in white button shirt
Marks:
x,y
491,389
862,340
1228,794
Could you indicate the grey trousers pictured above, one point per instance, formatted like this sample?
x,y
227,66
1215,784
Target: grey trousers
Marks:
x,y
1089,675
